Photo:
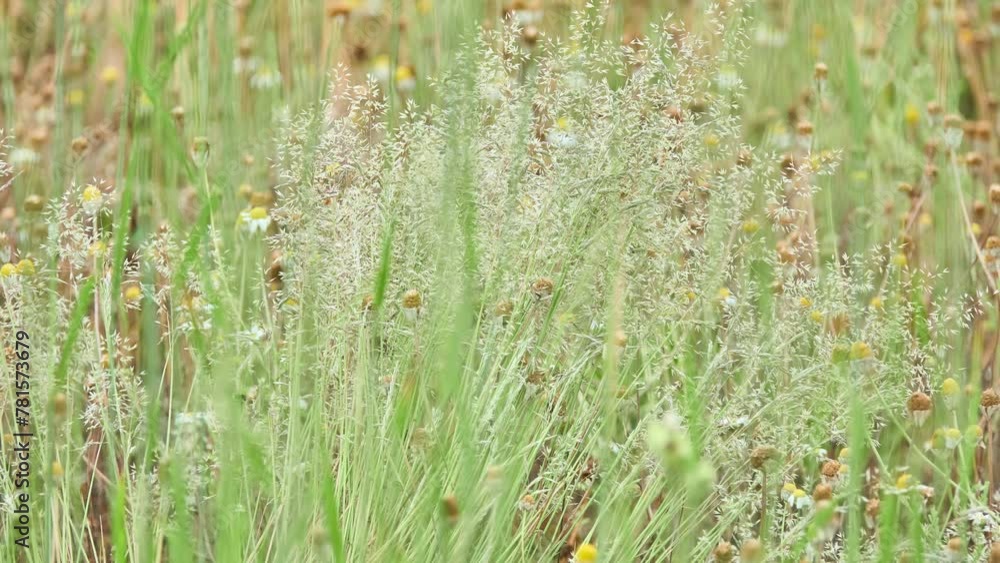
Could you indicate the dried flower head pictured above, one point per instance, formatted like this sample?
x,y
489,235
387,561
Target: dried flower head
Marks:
x,y
542,288
919,406
724,552
989,400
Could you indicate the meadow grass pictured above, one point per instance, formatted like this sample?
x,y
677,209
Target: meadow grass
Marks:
x,y
467,281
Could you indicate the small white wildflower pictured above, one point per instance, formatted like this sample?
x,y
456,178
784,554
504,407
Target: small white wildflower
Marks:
x,y
245,65
23,157
381,69
561,135
265,78
255,220
952,438
528,16
91,199
767,36
799,500
727,79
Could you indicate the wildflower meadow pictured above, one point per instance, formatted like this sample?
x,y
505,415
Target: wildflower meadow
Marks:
x,y
499,281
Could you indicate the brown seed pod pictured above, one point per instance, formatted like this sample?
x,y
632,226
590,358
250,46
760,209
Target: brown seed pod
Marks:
x,y
989,399
831,468
724,552
34,203
412,299
761,455
79,145
449,506
918,401
752,551
504,309
542,288
822,492
820,71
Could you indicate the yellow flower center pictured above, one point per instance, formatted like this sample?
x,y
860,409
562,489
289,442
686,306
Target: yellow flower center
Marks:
x,y
949,387
586,553
91,193
26,267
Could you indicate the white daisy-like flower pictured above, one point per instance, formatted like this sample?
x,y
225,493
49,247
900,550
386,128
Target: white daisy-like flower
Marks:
x,y
727,79
381,69
767,36
952,438
255,220
528,16
23,157
787,490
245,65
91,199
561,135
799,500
405,79
265,79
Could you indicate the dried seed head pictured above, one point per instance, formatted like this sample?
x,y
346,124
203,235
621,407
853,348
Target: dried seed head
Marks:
x,y
178,114
504,309
59,404
918,402
822,492
820,71
831,468
804,128
542,288
989,399
246,46
412,299
79,145
983,131
261,199
995,194
761,455
449,506
952,121
995,546
530,34
619,338
200,150
34,203
724,552
339,10
974,159
993,242
751,551
955,546
744,158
